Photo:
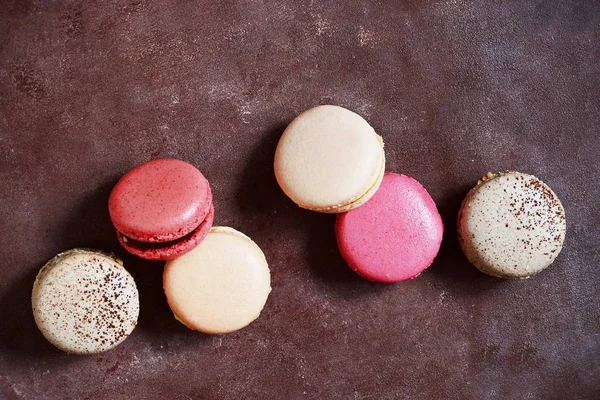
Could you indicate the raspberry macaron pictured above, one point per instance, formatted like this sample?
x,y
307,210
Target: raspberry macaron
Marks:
x,y
395,235
161,209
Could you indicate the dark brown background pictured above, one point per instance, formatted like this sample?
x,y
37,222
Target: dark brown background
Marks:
x,y
89,89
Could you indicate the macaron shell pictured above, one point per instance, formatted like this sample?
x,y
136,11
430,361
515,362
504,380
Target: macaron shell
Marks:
x,y
159,201
511,226
220,286
85,302
170,250
395,235
327,158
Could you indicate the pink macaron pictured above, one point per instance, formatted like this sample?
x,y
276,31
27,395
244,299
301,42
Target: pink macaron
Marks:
x,y
395,235
161,209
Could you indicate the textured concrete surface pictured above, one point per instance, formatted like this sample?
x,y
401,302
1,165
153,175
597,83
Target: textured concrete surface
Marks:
x,y
89,89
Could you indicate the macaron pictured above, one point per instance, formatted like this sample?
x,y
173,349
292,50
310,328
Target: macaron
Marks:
x,y
84,301
161,209
395,235
220,286
511,225
329,159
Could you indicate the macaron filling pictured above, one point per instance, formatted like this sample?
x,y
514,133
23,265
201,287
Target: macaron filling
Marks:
x,y
157,245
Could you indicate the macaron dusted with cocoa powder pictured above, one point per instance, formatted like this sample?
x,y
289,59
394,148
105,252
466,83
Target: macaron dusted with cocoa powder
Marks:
x,y
511,225
161,209
84,301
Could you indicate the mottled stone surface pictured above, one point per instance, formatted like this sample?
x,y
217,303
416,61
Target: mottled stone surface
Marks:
x,y
89,89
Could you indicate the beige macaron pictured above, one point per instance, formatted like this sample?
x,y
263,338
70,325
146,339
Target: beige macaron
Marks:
x,y
330,160
85,302
511,225
220,286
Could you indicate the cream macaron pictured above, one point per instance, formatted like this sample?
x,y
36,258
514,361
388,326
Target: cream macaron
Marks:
x,y
330,160
511,225
85,302
220,286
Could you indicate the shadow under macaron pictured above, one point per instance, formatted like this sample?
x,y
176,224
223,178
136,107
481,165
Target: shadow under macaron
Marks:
x,y
327,263
22,342
88,223
451,264
259,194
156,321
